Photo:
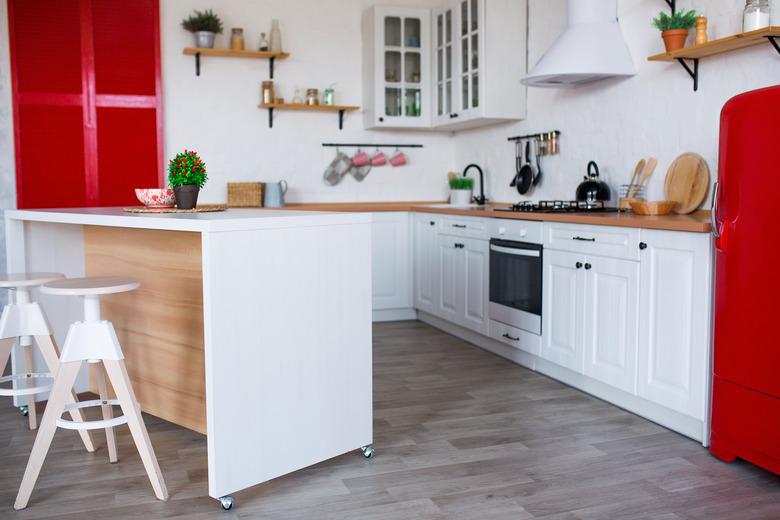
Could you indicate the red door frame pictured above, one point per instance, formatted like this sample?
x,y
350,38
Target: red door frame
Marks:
x,y
88,99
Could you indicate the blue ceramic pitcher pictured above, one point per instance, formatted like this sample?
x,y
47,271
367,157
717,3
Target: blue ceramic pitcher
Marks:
x,y
274,194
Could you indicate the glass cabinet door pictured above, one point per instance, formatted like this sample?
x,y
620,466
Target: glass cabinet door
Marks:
x,y
443,59
403,66
468,34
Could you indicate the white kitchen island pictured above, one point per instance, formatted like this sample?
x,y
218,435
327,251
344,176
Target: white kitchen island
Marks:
x,y
250,326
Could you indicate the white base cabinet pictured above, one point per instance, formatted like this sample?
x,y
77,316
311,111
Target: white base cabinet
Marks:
x,y
626,312
391,259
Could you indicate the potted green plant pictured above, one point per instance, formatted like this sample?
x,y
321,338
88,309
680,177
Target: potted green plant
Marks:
x,y
460,191
674,29
186,175
205,25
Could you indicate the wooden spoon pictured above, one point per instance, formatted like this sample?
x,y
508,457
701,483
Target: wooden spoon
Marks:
x,y
639,167
648,171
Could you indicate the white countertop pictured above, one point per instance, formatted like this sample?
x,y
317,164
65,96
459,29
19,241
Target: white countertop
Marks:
x,y
228,220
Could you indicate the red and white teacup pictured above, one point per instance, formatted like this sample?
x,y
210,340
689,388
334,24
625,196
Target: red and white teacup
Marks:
x,y
398,159
379,159
360,159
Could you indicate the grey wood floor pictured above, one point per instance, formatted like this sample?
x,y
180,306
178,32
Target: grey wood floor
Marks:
x,y
459,433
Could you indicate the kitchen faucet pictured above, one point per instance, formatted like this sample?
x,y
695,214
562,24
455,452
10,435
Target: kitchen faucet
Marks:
x,y
481,200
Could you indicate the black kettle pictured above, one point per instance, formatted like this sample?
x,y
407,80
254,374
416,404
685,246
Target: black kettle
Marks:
x,y
592,189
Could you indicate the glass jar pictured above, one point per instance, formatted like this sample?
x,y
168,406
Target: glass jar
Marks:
x,y
267,93
264,45
312,96
237,39
756,15
297,98
329,96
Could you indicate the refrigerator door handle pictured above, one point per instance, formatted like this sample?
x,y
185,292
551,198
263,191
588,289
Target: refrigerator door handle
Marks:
x,y
714,210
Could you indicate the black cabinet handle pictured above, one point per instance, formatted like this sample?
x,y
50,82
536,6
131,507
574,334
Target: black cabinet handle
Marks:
x,y
507,336
578,265
462,226
459,246
642,245
433,223
583,239
452,116
381,119
588,266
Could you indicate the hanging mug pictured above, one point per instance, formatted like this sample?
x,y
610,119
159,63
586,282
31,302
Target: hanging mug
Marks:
x,y
379,159
398,158
274,194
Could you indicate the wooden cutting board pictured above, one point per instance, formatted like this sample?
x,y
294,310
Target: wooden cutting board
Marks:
x,y
687,182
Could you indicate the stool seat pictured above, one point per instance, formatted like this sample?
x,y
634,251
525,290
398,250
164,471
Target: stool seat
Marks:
x,y
90,286
13,280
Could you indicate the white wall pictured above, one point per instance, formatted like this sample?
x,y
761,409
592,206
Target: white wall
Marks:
x,y
617,122
216,113
7,169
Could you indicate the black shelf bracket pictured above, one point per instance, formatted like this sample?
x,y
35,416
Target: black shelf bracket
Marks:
x,y
270,117
341,120
197,64
693,73
774,43
672,5
271,67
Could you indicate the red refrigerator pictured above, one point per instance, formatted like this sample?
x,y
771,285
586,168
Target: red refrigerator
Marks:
x,y
746,383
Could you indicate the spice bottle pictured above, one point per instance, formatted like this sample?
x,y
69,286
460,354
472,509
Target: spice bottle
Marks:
x,y
312,96
267,93
264,46
237,39
701,30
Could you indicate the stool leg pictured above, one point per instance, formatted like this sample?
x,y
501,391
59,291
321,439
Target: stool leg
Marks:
x,y
49,352
29,366
100,375
58,396
117,373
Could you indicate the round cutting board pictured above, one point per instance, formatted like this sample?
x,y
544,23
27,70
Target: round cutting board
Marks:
x,y
687,182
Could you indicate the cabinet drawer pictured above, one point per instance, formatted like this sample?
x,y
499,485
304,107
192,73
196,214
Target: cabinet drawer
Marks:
x,y
464,227
519,230
516,338
616,242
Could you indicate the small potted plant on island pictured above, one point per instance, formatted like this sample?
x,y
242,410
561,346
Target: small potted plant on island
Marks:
x,y
205,25
460,191
674,29
186,175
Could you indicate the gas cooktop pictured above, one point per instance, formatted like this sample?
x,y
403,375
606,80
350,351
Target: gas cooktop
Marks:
x,y
559,206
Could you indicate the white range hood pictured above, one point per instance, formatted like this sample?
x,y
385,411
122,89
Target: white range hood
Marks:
x,y
591,48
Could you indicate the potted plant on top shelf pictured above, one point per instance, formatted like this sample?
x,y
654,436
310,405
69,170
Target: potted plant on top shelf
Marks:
x,y
205,25
674,29
186,175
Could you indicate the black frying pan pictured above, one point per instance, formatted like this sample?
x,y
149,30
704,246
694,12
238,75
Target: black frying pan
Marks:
x,y
525,174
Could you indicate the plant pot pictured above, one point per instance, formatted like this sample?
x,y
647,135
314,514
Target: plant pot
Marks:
x,y
186,196
205,39
674,39
460,197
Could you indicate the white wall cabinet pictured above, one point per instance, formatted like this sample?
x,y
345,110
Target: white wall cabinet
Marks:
x,y
674,329
456,66
391,261
479,57
396,67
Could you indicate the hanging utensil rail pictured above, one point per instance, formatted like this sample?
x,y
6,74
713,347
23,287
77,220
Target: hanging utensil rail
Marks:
x,y
542,135
371,145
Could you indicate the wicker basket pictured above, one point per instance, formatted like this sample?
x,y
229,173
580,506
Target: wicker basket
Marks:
x,y
245,194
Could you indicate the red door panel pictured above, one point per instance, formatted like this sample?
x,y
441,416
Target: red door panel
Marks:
x,y
127,153
51,156
125,46
47,45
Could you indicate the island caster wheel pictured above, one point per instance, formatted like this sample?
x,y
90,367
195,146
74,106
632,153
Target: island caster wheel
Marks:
x,y
226,502
368,451
24,410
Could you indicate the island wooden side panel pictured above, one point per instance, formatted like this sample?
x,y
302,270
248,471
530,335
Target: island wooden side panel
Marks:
x,y
159,325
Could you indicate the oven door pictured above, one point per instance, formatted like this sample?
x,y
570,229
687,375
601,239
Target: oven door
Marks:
x,y
516,284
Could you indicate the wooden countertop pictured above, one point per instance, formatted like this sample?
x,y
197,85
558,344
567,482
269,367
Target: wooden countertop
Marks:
x,y
697,222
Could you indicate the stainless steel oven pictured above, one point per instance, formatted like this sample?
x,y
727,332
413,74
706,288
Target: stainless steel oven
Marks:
x,y
516,284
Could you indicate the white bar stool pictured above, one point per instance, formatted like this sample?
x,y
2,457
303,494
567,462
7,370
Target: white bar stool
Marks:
x,y
22,320
92,340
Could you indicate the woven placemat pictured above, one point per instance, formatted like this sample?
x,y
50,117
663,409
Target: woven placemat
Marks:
x,y
205,208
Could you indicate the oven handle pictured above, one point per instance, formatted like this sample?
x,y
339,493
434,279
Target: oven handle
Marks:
x,y
513,251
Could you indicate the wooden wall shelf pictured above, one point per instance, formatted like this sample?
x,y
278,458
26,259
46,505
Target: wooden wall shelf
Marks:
x,y
229,53
719,46
310,108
